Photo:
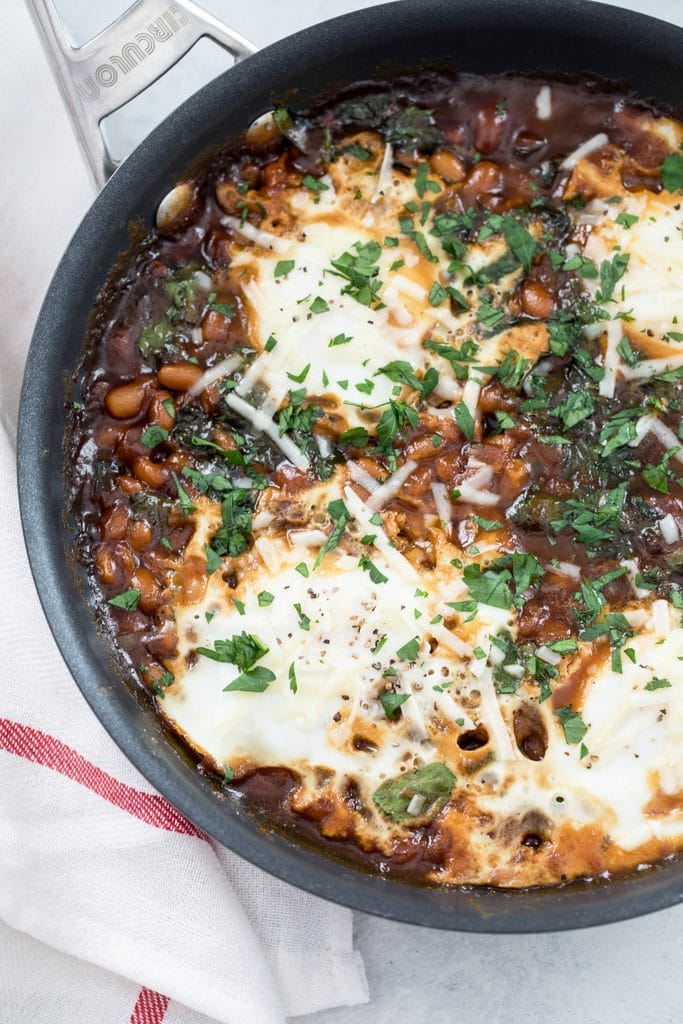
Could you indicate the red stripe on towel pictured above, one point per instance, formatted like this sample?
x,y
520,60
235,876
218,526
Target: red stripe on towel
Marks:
x,y
150,1007
50,752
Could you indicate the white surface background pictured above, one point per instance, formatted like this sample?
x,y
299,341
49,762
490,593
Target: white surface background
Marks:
x,y
619,974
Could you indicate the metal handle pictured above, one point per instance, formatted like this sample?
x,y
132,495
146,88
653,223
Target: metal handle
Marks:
x,y
122,61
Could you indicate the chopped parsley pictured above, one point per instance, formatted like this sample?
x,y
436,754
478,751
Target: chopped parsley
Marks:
x,y
391,702
360,270
340,515
375,574
153,436
127,601
657,684
409,651
573,725
254,680
283,267
432,783
465,420
672,172
242,649
314,184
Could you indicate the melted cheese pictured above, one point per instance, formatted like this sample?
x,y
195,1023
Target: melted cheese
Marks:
x,y
356,628
336,631
650,290
309,348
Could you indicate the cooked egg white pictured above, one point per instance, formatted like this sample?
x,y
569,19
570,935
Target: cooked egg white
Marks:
x,y
651,290
309,333
333,633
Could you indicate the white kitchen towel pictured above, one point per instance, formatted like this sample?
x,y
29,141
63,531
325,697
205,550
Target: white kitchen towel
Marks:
x,y
113,908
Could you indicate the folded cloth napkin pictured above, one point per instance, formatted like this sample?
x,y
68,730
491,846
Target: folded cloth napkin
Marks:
x,y
113,907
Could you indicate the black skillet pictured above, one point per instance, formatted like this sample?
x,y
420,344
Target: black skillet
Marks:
x,y
479,36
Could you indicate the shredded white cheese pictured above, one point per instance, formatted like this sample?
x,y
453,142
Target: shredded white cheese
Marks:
x,y
596,142
671,533
611,361
222,369
391,486
266,425
442,501
384,178
544,103
263,238
360,476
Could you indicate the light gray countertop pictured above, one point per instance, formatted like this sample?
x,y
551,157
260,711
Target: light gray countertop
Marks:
x,y
619,974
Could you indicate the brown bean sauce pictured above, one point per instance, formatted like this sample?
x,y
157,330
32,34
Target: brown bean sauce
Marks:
x,y
156,330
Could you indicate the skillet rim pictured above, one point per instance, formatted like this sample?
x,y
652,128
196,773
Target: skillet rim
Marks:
x,y
579,904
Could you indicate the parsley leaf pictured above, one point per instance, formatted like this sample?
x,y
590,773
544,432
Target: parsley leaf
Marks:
x,y
186,502
339,513
627,220
577,406
657,684
375,574
391,702
232,538
657,476
242,650
254,680
459,358
357,437
521,243
409,651
489,586
153,436
401,372
433,782
573,725
360,271
611,271
489,316
464,419
127,601
314,184
672,172
283,267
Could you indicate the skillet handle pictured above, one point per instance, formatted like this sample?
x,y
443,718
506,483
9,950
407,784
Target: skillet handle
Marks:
x,y
122,61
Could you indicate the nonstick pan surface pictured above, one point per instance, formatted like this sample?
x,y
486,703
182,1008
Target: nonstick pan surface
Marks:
x,y
482,36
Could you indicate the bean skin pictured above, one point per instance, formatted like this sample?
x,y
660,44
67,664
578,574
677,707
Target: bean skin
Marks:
x,y
115,563
488,129
157,413
114,523
129,485
418,482
151,594
175,462
108,435
140,535
179,376
485,178
126,400
105,562
536,300
448,466
152,473
421,448
448,166
215,327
